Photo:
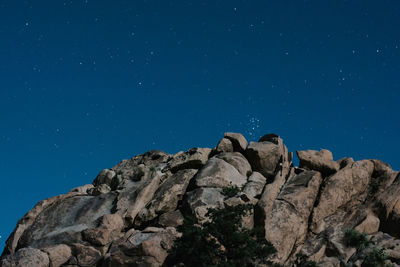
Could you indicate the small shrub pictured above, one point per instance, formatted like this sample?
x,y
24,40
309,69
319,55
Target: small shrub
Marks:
x,y
375,258
353,238
230,191
302,261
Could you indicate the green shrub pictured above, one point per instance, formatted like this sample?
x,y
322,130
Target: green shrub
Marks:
x,y
375,258
221,242
353,238
230,191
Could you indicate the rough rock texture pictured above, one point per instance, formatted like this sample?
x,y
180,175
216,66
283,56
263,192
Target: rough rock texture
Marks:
x,y
321,161
131,213
346,187
224,145
255,185
219,173
239,143
28,257
58,254
286,225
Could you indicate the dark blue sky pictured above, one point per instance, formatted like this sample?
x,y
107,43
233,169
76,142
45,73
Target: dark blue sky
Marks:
x,y
85,84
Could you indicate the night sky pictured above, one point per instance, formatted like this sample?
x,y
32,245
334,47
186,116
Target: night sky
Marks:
x,y
85,84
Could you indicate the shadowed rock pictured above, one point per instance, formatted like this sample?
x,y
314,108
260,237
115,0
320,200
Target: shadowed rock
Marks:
x,y
194,158
224,145
239,143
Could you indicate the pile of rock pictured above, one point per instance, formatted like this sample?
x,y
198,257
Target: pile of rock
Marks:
x,y
130,214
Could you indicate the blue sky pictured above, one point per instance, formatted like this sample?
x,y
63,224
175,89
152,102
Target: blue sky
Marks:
x,y
85,84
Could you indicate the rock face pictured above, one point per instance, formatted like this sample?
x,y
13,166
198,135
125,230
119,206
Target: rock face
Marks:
x,y
131,213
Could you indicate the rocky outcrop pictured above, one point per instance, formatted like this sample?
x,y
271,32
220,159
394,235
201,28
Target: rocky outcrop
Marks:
x,y
131,214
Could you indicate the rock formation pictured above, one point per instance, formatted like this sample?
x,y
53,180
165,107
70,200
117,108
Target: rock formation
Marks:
x,y
130,215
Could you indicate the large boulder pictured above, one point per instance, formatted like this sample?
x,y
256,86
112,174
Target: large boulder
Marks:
x,y
167,196
224,145
194,158
272,189
58,254
266,156
239,143
369,225
238,161
286,226
389,203
255,185
63,221
321,161
104,177
135,195
26,257
219,173
149,246
202,199
86,256
347,186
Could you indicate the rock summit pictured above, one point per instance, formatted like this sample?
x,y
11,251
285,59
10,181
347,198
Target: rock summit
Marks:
x,y
131,213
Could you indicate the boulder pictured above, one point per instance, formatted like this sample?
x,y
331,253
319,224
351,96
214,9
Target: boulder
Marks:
x,y
136,195
26,257
104,177
171,219
202,199
86,256
255,185
119,259
238,161
286,225
219,173
345,162
99,236
63,221
347,185
321,161
153,243
369,225
29,218
194,158
112,222
264,157
99,189
167,196
238,141
272,138
271,191
224,145
58,254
